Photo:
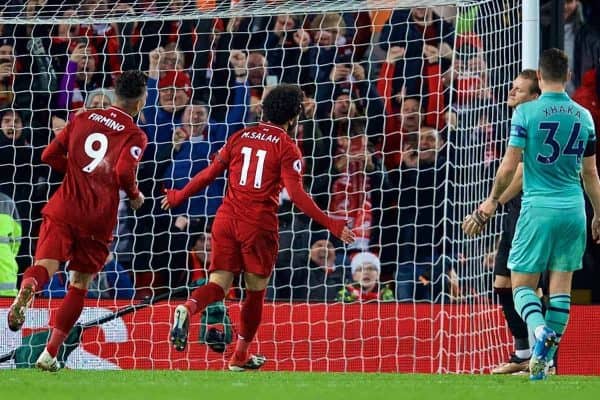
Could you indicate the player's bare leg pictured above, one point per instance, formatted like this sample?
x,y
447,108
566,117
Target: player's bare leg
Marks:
x,y
218,284
250,317
34,279
68,313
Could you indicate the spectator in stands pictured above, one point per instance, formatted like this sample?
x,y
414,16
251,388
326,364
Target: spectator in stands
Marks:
x,y
324,276
171,59
229,87
99,98
422,204
21,171
581,40
423,51
366,271
167,98
79,79
588,94
286,44
23,87
7,66
255,80
399,126
194,143
351,188
103,37
329,46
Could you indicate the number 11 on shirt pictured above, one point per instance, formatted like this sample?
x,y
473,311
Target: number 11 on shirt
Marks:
x,y
261,155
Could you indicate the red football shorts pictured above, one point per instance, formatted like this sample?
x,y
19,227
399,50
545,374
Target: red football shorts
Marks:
x,y
238,246
63,242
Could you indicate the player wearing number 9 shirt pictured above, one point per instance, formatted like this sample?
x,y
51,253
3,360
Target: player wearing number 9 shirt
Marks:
x,y
98,151
260,160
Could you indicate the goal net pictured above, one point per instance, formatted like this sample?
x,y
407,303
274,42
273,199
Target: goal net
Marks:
x,y
403,127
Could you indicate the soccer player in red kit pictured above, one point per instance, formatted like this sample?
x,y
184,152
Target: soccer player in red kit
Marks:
x,y
98,151
260,160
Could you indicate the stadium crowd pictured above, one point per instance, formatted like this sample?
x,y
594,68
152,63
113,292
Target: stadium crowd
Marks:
x,y
399,107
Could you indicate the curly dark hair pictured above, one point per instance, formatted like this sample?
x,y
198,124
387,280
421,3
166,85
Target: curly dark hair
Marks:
x,y
131,85
282,104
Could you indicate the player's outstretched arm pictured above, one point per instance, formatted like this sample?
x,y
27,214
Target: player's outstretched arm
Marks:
x,y
55,154
474,223
174,198
307,205
591,184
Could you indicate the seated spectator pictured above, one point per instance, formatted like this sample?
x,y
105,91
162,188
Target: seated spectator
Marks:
x,y
324,277
113,282
366,270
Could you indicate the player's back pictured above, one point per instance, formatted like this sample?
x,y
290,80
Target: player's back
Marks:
x,y
89,194
254,157
555,132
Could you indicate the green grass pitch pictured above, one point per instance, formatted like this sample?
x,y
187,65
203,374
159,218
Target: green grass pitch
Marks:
x,y
188,385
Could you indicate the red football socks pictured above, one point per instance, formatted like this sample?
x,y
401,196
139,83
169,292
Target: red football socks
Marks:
x,y
66,316
203,296
251,315
36,276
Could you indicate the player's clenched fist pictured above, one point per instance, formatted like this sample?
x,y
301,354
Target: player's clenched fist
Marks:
x,y
137,202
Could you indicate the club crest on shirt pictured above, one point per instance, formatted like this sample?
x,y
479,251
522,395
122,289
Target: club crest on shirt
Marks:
x,y
136,152
298,166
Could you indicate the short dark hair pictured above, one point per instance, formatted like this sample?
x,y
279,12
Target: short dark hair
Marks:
x,y
131,85
531,76
554,65
282,104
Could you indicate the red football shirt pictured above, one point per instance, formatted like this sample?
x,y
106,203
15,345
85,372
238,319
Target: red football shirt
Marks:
x,y
260,160
98,151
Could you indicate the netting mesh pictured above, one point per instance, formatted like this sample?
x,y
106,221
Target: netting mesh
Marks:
x,y
403,127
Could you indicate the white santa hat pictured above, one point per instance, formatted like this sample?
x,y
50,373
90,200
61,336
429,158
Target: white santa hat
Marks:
x,y
365,258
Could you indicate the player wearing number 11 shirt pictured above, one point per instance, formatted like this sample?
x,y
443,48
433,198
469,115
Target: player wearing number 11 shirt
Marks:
x,y
260,160
98,151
